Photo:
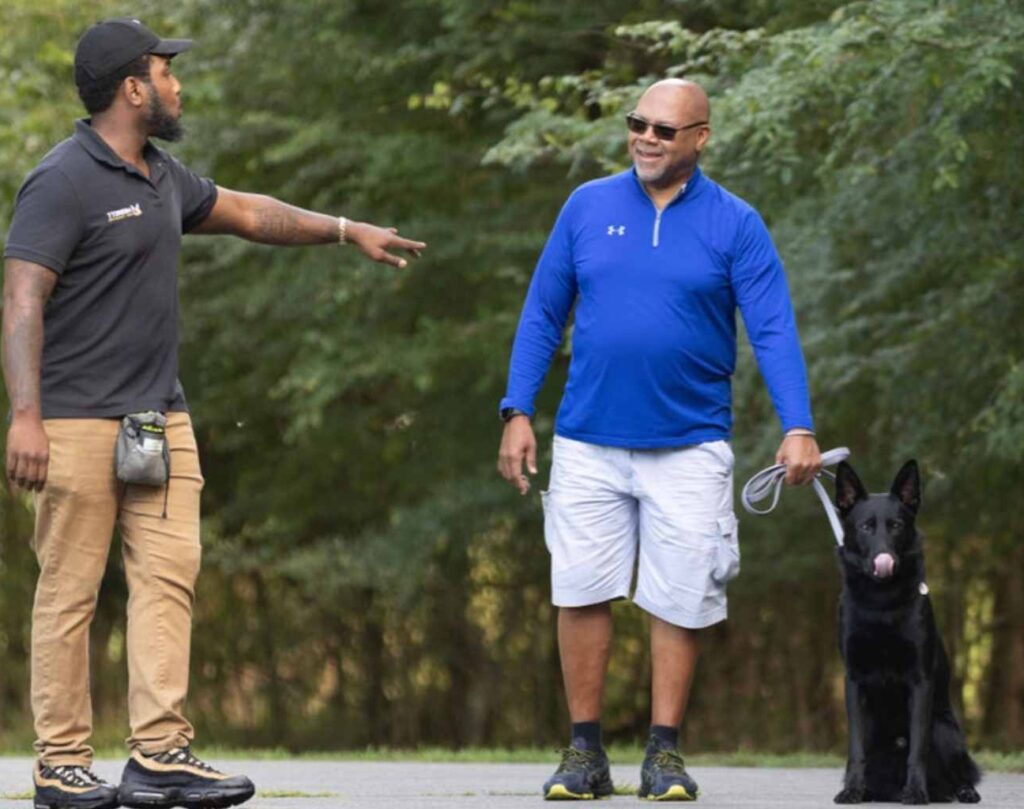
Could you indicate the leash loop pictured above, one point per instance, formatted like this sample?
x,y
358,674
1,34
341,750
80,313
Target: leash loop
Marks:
x,y
769,481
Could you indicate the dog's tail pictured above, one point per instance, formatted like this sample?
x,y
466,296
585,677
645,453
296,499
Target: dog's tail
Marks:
x,y
948,743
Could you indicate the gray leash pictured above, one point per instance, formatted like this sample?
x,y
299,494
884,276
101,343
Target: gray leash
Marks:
x,y
769,482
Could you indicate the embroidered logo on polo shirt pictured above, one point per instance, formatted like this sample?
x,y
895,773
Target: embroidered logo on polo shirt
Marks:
x,y
616,230
124,213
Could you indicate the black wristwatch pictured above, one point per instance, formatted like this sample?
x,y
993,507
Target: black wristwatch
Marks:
x,y
509,413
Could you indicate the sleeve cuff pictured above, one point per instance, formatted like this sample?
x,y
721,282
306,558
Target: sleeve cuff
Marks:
x,y
199,215
28,254
517,404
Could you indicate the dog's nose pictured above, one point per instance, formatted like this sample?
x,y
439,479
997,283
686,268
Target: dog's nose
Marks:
x,y
884,565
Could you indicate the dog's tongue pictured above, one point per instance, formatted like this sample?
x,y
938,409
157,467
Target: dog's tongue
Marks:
x,y
884,565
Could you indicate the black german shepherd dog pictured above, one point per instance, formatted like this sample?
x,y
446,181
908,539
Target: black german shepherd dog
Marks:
x,y
905,742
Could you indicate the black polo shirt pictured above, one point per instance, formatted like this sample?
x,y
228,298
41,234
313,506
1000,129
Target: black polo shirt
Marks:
x,y
113,237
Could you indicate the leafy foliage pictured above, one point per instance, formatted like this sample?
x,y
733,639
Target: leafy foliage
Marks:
x,y
368,579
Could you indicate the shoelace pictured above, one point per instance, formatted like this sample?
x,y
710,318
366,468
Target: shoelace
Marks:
x,y
183,755
78,776
671,761
573,755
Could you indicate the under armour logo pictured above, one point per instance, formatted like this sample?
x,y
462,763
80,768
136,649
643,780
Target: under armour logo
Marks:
x,y
616,231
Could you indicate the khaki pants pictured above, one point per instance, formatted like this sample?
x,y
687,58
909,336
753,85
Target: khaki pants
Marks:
x,y
75,517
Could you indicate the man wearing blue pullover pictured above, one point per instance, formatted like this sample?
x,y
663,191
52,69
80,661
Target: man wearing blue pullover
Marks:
x,y
656,261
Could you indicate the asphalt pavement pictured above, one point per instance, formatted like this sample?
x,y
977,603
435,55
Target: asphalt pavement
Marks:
x,y
411,785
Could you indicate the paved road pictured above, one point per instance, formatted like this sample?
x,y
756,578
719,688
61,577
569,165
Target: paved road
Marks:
x,y
376,785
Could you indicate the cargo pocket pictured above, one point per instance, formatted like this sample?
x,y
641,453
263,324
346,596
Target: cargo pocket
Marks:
x,y
727,552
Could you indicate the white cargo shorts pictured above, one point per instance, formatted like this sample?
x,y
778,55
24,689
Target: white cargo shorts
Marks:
x,y
674,505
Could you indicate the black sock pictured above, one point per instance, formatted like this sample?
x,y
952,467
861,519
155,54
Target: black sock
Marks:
x,y
666,736
586,735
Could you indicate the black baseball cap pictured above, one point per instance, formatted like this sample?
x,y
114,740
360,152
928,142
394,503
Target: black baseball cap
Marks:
x,y
110,45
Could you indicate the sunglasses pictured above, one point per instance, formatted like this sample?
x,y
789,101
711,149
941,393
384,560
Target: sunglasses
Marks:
x,y
638,126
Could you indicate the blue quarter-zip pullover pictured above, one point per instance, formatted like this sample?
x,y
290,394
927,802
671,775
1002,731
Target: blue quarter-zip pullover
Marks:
x,y
654,341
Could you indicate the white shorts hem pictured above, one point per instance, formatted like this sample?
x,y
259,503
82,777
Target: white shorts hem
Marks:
x,y
585,598
683,618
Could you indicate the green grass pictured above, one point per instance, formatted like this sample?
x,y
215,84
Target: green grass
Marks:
x,y
1000,762
1011,762
620,754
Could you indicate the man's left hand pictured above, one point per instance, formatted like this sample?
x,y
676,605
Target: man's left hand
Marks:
x,y
800,453
375,242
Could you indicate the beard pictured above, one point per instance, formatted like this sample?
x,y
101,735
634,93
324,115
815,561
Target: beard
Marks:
x,y
161,123
651,176
667,171
665,175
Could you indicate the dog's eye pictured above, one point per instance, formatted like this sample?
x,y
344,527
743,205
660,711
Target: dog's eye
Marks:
x,y
867,525
896,525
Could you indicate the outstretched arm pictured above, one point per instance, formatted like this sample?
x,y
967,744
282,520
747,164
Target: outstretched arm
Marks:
x,y
27,286
266,220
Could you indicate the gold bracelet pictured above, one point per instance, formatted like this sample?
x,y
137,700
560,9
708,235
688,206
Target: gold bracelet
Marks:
x,y
342,225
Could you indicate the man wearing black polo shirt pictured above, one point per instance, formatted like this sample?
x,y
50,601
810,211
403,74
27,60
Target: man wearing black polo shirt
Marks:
x,y
90,335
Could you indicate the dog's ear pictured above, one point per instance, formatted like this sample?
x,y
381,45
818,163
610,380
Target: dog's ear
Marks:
x,y
849,489
907,486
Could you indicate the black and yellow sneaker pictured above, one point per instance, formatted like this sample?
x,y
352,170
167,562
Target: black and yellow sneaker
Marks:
x,y
178,778
582,776
663,776
71,787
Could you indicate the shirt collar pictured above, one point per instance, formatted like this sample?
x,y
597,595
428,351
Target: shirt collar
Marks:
x,y
100,150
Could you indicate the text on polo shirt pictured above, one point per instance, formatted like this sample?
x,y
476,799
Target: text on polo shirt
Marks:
x,y
124,213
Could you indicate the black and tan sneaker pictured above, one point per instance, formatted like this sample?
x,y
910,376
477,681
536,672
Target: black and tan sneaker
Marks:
x,y
71,787
178,778
581,776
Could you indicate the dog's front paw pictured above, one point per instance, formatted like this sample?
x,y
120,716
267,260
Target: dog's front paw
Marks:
x,y
913,794
967,794
850,795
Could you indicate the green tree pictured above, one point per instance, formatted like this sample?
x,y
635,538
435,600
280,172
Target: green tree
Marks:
x,y
367,578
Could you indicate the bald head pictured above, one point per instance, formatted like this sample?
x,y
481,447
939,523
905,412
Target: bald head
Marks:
x,y
687,98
